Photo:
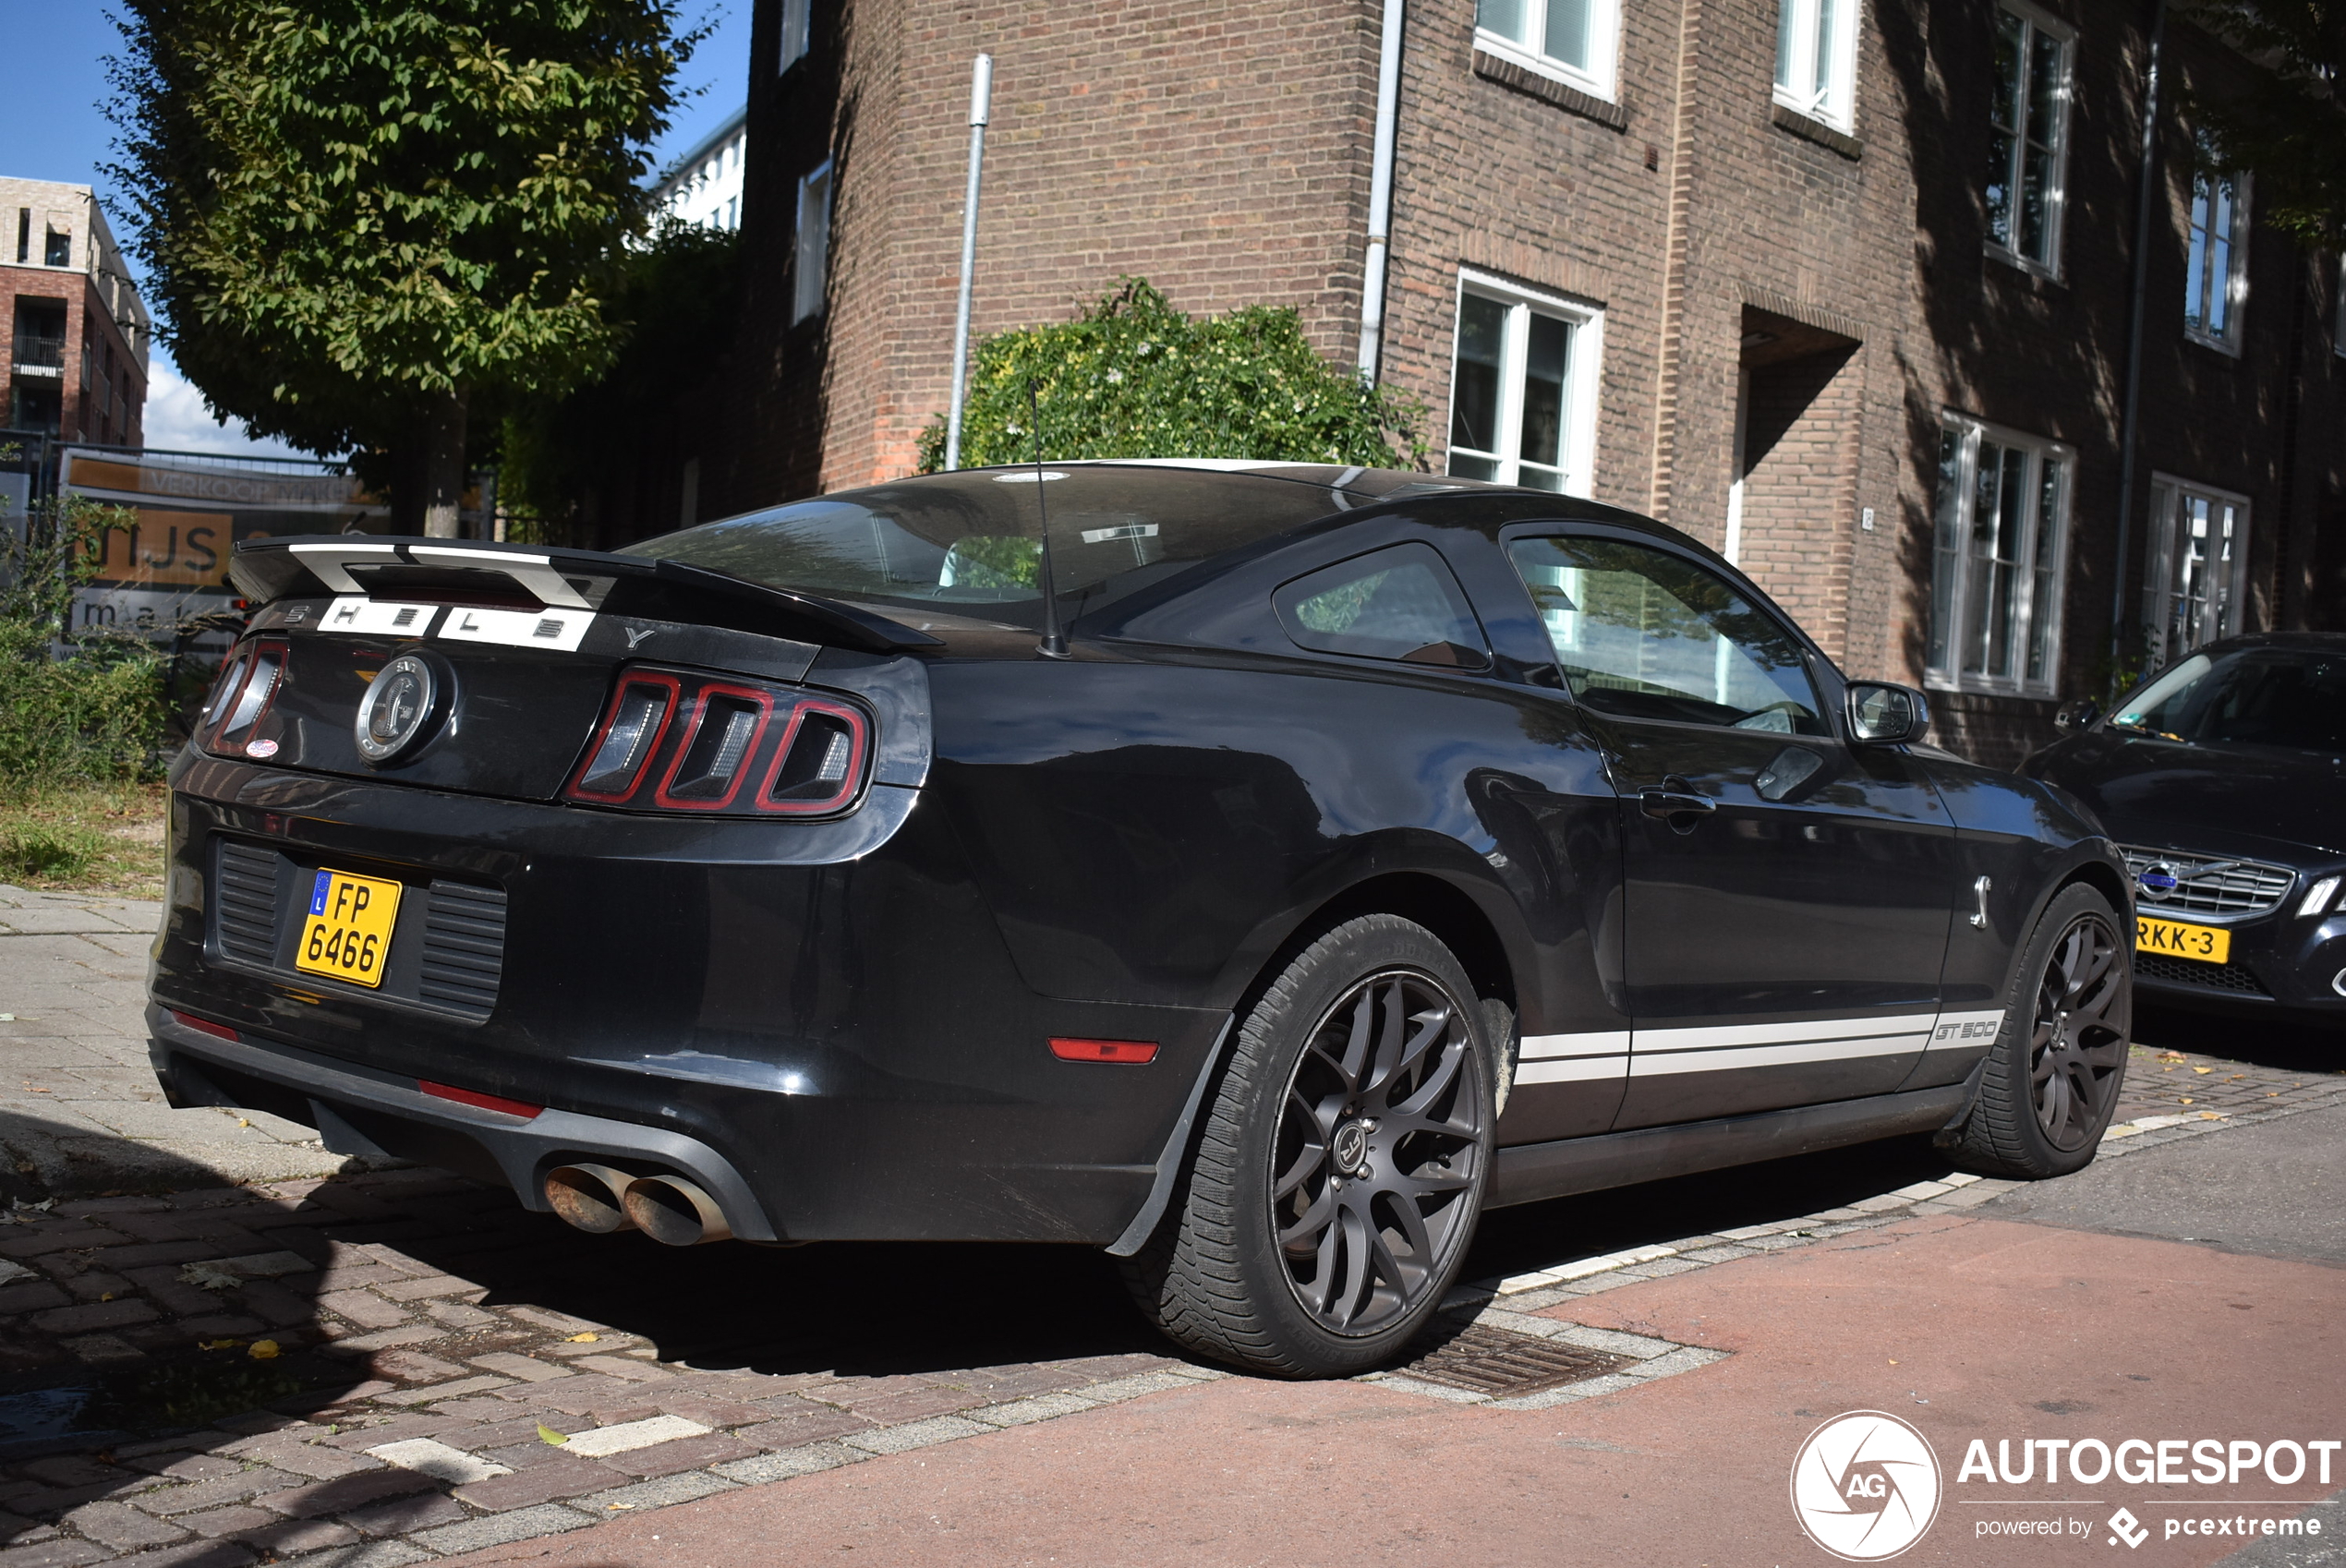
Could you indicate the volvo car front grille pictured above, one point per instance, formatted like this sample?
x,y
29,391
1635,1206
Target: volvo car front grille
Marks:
x,y
2207,977
2205,885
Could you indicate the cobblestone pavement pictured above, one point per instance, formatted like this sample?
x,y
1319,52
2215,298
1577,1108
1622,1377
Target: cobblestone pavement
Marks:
x,y
417,1341
79,1111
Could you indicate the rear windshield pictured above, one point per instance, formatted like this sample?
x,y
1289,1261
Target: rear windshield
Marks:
x,y
971,542
2293,698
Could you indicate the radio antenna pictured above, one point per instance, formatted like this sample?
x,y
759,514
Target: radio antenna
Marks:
x,y
1054,642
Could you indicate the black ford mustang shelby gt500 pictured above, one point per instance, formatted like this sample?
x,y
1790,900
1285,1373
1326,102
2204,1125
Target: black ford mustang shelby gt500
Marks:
x,y
1370,850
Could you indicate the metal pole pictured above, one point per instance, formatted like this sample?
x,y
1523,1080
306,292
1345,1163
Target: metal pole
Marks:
x,y
981,104
2145,196
1388,110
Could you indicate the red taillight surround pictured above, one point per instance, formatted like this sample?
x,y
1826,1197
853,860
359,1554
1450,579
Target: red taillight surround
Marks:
x,y
205,1026
615,763
243,698
1127,1052
521,1108
677,741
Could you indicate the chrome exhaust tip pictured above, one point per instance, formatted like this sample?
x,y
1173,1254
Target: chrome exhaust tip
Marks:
x,y
592,1198
672,1210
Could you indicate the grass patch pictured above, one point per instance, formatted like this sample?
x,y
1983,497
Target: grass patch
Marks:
x,y
84,838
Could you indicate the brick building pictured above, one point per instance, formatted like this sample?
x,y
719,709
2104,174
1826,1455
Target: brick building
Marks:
x,y
1843,290
74,335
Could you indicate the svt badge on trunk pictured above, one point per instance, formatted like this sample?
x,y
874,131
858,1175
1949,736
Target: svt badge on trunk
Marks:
x,y
401,708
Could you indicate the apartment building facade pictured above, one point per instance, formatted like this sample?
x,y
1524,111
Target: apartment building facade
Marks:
x,y
74,335
1847,292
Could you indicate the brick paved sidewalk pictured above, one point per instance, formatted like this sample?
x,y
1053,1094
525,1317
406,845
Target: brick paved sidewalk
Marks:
x,y
80,1110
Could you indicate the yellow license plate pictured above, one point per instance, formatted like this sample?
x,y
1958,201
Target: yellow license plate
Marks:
x,y
348,934
2209,943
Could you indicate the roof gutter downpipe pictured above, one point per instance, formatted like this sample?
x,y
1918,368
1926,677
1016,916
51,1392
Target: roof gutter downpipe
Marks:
x,y
1388,111
2146,194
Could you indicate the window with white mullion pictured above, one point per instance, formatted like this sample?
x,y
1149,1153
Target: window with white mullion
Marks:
x,y
2196,566
1522,393
1573,40
2215,262
2028,152
1999,562
1815,58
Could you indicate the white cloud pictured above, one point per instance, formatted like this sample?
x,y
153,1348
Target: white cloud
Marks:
x,y
175,420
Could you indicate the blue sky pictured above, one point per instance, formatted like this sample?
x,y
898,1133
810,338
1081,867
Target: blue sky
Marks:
x,y
53,127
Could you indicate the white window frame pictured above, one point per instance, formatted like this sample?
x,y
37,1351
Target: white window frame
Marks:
x,y
2337,310
1600,80
812,247
2057,197
2227,598
2236,279
2030,614
1584,357
1834,102
798,17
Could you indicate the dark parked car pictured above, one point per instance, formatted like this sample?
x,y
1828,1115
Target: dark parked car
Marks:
x,y
2223,779
1328,856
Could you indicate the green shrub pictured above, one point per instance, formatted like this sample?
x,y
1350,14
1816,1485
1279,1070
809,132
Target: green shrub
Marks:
x,y
96,715
1133,377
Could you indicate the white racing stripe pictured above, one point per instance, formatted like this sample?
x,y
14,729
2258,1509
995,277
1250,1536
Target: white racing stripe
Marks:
x,y
1578,1058
1964,1031
355,612
549,628
1576,1070
1603,1042
1786,1054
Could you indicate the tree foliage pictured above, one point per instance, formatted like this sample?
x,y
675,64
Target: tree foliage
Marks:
x,y
674,303
355,215
1133,377
2290,127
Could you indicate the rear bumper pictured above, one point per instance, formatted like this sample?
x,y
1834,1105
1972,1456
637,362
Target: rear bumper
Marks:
x,y
358,1110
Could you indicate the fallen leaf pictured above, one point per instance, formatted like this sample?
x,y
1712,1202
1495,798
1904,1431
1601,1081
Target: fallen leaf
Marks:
x,y
218,1344
107,1297
1894,1362
242,1121
2186,1100
548,1434
210,1277
262,1350
583,1339
36,1089
619,1505
2203,1071
2209,1117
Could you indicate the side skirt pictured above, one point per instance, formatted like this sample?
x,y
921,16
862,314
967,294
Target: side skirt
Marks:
x,y
1530,1172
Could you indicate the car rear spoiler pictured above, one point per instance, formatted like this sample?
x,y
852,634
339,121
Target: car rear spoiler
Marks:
x,y
537,576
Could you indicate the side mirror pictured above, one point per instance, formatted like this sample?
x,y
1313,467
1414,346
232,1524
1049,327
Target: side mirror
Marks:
x,y
1885,714
2075,715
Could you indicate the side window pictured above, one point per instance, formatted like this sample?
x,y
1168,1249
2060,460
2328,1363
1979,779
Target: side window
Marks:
x,y
1400,603
1645,634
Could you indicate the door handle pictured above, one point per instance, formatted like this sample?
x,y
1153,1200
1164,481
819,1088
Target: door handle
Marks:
x,y
1675,797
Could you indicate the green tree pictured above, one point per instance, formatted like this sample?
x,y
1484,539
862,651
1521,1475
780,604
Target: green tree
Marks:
x,y
2290,127
1133,377
674,303
360,216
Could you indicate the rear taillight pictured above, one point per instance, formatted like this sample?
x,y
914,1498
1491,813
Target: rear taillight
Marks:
x,y
677,741
631,732
819,762
245,692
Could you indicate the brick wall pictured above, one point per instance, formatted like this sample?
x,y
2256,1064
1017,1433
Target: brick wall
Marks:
x,y
1222,150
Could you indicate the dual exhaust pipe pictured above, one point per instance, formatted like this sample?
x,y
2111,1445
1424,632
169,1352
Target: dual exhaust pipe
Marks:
x,y
668,1208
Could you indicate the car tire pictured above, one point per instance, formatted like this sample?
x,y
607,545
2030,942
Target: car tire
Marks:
x,y
1339,1169
2051,1080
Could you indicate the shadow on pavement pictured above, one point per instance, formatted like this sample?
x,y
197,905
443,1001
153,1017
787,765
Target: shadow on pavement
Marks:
x,y
2291,1045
